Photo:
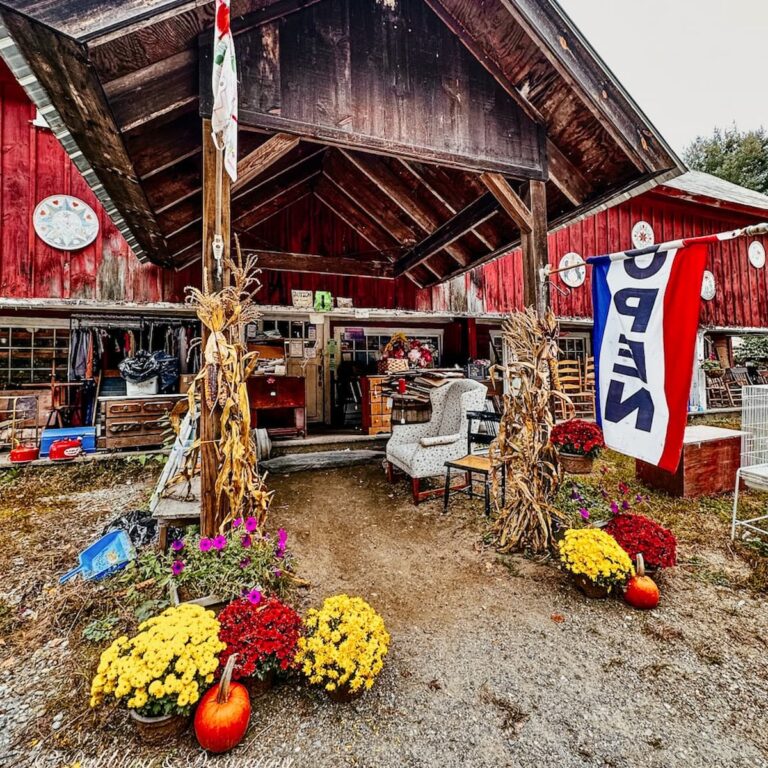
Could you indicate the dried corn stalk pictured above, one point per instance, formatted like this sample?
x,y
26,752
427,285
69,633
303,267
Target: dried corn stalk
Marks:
x,y
226,366
522,456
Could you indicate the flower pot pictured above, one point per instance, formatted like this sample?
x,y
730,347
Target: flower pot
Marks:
x,y
343,694
715,373
590,589
160,729
258,686
576,464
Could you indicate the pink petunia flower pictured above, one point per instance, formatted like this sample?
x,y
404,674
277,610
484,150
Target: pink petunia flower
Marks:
x,y
251,524
177,567
220,542
254,597
205,545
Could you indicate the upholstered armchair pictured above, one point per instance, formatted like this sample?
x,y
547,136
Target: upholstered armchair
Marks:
x,y
421,450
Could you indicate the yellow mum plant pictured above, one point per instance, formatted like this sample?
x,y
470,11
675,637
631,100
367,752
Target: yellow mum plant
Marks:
x,y
594,555
165,668
344,645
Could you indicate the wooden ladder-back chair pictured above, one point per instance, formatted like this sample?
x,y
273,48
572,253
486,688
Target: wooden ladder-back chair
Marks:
x,y
572,382
736,379
589,374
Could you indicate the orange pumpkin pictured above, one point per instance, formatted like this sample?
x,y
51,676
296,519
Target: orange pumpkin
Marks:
x,y
223,713
641,591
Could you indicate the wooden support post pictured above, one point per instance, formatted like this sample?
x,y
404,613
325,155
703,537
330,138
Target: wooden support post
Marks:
x,y
210,429
535,253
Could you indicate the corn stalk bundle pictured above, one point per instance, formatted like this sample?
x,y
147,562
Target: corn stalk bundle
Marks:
x,y
522,456
226,366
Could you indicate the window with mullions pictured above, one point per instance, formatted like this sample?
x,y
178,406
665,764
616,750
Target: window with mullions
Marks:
x,y
575,346
33,355
366,352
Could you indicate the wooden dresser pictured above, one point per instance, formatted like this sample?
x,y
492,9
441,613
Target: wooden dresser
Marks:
x,y
135,422
376,407
278,403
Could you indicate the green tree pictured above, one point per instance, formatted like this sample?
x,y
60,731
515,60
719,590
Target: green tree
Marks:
x,y
737,156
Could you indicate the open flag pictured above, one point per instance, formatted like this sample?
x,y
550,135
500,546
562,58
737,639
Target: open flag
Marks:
x,y
224,115
646,305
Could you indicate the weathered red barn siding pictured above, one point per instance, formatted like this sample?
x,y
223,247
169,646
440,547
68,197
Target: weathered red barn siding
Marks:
x,y
33,166
309,227
742,291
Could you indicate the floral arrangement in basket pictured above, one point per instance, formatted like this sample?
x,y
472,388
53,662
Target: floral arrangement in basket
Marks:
x,y
578,437
401,353
639,535
241,563
263,634
164,669
594,558
711,363
343,646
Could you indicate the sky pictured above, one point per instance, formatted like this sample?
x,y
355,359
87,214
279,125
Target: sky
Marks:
x,y
690,65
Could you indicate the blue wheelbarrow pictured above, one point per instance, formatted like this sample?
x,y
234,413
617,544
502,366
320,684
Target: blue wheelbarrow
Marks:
x,y
105,556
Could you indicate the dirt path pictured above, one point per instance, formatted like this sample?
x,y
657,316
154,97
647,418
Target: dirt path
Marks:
x,y
480,672
494,661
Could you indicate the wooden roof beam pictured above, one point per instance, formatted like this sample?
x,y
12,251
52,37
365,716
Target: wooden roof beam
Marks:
x,y
480,210
377,171
264,156
327,265
484,232
509,200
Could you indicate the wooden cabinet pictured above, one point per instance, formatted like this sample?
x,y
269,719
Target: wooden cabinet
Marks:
x,y
278,403
376,407
135,422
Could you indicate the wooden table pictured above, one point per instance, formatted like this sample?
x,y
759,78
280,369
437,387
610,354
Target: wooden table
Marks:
x,y
708,464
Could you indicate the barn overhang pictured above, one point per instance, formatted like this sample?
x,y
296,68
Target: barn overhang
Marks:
x,y
418,126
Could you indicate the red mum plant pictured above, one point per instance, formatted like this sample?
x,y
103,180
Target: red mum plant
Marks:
x,y
638,534
583,438
263,633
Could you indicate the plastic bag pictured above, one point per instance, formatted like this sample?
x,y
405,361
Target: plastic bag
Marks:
x,y
168,368
139,368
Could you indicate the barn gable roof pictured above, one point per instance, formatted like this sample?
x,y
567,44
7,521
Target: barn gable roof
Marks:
x,y
703,187
119,80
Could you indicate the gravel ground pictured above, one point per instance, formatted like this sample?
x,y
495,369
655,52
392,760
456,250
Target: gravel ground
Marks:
x,y
495,661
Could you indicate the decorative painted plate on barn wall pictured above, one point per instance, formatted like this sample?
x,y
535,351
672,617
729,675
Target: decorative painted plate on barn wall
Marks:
x,y
642,235
575,277
756,254
708,288
64,222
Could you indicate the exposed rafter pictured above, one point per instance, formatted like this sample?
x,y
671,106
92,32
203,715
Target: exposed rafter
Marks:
x,y
327,265
378,173
264,156
479,210
509,200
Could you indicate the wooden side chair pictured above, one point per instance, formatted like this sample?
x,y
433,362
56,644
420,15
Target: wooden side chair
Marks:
x,y
735,380
718,393
482,430
573,381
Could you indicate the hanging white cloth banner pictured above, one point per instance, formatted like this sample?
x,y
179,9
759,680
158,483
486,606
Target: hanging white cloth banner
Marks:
x,y
224,81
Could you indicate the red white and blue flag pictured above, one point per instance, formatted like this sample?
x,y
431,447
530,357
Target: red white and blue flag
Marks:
x,y
646,306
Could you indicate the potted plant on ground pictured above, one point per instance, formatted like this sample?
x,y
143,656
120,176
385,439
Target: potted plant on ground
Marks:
x,y
241,563
639,535
263,634
161,672
595,561
578,443
712,368
343,647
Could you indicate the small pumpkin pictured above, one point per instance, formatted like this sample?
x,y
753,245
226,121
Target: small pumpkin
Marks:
x,y
641,591
222,715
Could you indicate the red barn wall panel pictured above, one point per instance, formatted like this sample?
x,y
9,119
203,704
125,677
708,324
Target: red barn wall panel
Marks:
x,y
33,166
742,291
